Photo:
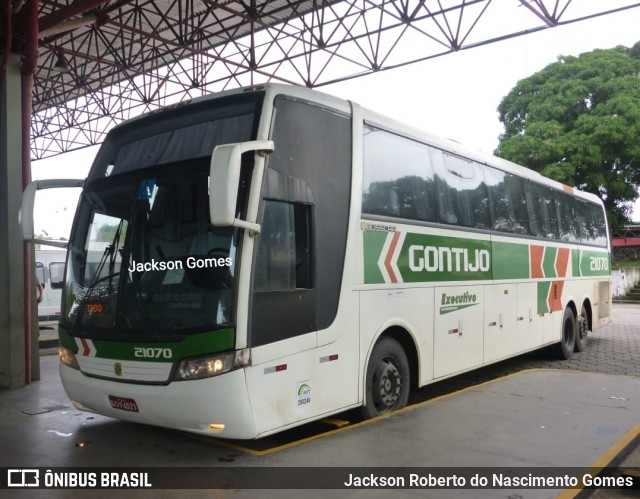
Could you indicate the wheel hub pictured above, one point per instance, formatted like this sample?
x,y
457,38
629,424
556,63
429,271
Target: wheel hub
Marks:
x,y
389,383
582,326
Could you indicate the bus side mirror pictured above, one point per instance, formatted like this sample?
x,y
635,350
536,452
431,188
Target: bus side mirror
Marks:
x,y
224,175
28,203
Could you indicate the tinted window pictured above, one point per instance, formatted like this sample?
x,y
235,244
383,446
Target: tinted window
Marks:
x,y
407,179
309,174
542,211
568,221
462,193
398,180
583,219
508,202
177,135
598,226
284,249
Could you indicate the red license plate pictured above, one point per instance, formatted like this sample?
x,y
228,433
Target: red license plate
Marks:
x,y
123,404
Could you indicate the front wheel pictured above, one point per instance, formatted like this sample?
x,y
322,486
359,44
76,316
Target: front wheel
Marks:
x,y
387,381
564,349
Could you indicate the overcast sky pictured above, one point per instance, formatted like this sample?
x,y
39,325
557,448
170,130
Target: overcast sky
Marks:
x,y
457,95
454,96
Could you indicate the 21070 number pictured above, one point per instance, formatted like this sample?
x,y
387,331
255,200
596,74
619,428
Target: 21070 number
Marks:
x,y
152,353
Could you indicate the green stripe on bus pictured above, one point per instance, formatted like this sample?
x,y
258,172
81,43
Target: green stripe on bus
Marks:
x,y
510,261
575,262
549,261
373,242
428,258
436,258
193,345
594,263
543,296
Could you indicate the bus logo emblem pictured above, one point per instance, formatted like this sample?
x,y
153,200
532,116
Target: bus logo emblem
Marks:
x,y
117,368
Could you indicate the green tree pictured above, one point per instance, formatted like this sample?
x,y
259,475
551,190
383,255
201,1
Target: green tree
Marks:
x,y
578,121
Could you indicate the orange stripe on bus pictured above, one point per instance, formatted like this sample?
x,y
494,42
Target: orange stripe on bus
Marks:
x,y
562,261
387,260
535,256
555,296
86,350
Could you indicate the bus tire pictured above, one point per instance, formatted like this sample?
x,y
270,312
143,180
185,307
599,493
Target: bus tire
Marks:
x,y
564,349
582,331
388,379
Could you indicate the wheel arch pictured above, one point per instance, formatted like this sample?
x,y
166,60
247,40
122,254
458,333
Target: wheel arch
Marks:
x,y
588,308
572,305
402,334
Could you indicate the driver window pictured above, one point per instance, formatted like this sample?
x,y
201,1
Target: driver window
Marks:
x,y
284,251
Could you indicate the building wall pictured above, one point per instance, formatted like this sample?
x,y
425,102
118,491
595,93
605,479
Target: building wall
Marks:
x,y
624,280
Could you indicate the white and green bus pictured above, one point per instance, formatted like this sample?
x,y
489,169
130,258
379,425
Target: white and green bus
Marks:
x,y
264,257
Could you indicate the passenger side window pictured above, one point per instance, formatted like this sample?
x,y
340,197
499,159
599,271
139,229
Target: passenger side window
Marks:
x,y
598,227
568,222
542,211
508,202
404,178
462,192
581,210
398,180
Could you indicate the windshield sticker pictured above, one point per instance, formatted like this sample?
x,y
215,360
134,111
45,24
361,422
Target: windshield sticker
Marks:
x,y
146,189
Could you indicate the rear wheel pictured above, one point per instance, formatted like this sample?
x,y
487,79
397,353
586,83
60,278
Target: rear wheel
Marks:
x,y
564,349
387,382
582,330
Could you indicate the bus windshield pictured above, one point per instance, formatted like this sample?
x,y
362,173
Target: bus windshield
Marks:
x,y
144,259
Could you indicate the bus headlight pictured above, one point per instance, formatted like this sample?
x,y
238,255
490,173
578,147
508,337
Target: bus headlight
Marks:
x,y
67,357
212,365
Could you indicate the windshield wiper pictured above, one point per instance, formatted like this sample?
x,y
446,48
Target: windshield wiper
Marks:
x,y
137,217
110,251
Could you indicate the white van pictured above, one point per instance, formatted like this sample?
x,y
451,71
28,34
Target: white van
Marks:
x,y
50,273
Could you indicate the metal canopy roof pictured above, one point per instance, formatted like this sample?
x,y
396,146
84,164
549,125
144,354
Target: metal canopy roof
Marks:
x,y
102,62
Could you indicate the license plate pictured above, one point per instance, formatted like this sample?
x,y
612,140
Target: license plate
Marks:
x,y
124,404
